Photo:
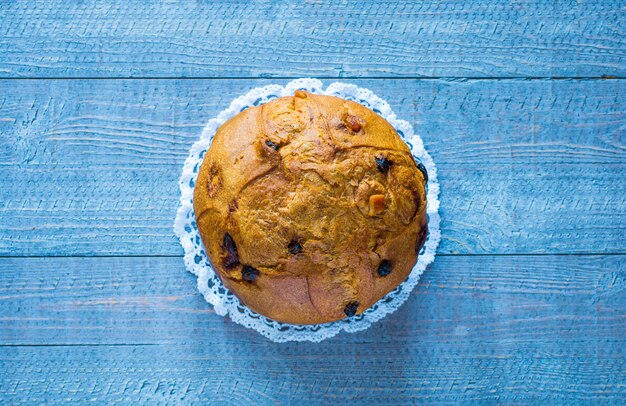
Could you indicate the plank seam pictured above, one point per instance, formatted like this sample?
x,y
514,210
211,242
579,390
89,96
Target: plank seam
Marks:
x,y
448,78
554,254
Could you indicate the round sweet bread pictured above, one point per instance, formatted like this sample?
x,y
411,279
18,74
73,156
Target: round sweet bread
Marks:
x,y
311,208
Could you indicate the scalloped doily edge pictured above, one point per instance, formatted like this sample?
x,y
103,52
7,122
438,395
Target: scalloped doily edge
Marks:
x,y
196,261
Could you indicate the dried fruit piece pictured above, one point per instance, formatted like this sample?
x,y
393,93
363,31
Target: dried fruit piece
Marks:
x,y
231,259
384,268
351,308
383,164
272,145
214,180
301,94
249,273
377,204
352,122
233,206
294,247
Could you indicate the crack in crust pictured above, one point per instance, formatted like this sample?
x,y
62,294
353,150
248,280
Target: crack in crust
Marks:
x,y
308,293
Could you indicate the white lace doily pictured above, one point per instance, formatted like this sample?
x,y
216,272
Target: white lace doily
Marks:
x,y
224,302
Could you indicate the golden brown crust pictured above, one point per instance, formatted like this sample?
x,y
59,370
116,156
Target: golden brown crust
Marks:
x,y
311,208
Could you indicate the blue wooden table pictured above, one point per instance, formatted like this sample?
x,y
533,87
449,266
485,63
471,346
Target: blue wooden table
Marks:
x,y
522,104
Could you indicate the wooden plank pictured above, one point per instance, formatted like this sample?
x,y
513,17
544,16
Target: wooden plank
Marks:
x,y
153,300
521,329
90,167
223,375
330,39
110,158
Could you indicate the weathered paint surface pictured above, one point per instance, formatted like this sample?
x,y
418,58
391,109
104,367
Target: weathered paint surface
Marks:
x,y
521,104
91,166
488,38
500,328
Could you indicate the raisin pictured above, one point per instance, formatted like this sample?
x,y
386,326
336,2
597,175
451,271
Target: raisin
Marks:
x,y
233,206
351,308
231,260
249,273
294,247
422,169
384,268
383,164
272,145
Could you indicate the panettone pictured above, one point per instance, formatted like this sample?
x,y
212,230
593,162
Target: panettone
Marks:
x,y
311,208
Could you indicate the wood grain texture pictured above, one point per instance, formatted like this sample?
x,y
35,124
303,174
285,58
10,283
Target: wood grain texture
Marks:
x,y
497,328
90,167
360,375
528,165
331,39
